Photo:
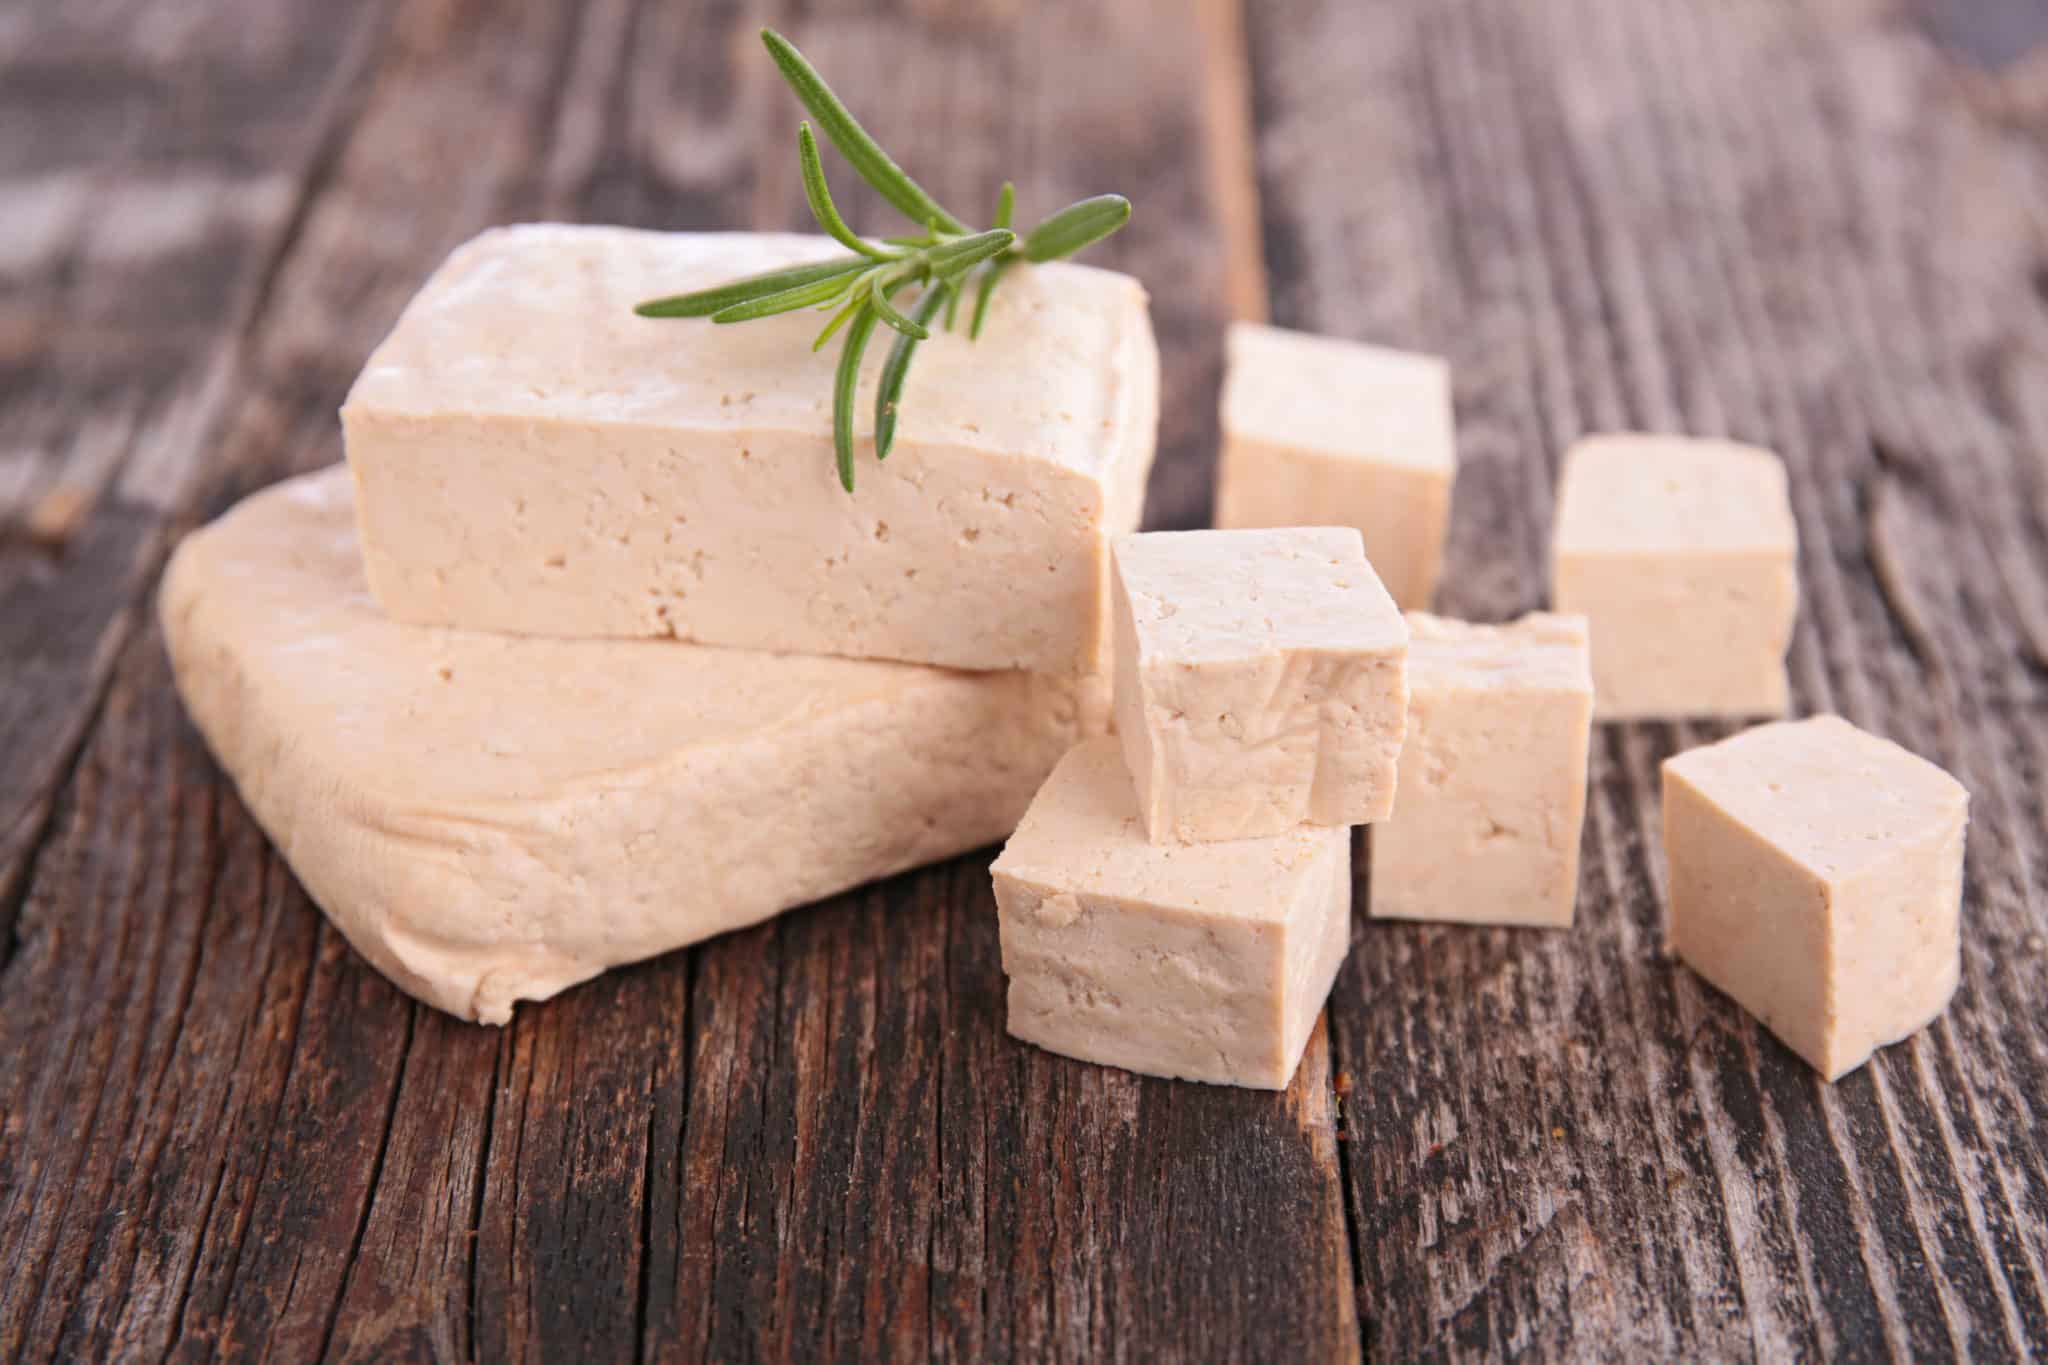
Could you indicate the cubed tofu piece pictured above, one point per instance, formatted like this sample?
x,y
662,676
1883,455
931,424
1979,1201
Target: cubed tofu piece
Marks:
x,y
1261,681
1816,877
1207,962
1681,554
531,457
490,818
1492,796
1319,431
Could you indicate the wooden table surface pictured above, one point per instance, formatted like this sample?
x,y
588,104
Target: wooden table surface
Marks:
x,y
1819,226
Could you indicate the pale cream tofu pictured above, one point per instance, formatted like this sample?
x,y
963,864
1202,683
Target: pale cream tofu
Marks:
x,y
489,818
1816,876
1492,794
1682,554
1260,681
1208,962
532,457
1320,431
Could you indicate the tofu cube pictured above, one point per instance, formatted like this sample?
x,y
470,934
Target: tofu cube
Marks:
x,y
1816,878
1319,432
1492,795
1261,681
1681,553
1207,962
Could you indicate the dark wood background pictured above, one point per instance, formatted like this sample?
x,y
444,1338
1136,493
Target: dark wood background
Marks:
x,y
1821,226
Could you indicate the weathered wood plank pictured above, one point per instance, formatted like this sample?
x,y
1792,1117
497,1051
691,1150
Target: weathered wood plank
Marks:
x,y
788,1121
1735,220
144,216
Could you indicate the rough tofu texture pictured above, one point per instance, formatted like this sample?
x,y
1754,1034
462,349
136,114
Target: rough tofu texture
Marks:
x,y
1817,877
1323,432
1207,962
1261,681
1492,796
1681,553
532,457
490,819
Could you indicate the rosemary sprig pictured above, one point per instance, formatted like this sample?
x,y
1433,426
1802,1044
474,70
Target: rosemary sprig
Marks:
x,y
939,261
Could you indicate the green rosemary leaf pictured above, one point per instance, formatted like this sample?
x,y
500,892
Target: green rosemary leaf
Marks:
x,y
960,256
1075,226
704,302
789,300
878,296
853,305
820,195
861,151
860,288
897,367
982,296
843,385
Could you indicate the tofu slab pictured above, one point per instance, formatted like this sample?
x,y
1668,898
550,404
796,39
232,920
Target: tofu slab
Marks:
x,y
1207,962
1492,797
1320,431
1817,878
532,457
490,818
1260,681
1682,554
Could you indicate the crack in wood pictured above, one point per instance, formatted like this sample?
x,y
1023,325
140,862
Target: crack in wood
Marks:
x,y
370,1188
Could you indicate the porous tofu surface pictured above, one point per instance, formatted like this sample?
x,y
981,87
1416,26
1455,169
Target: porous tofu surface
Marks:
x,y
1337,396
533,457
1492,794
490,818
1625,493
1323,431
1816,878
1260,680
1681,553
1203,961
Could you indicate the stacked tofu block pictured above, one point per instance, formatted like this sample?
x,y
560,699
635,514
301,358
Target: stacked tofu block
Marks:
x,y
530,456
1178,900
1261,681
470,687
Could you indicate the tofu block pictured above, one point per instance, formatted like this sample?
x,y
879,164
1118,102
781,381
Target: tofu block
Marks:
x,y
532,457
1492,796
1681,553
489,818
1817,879
1207,962
1261,681
1323,432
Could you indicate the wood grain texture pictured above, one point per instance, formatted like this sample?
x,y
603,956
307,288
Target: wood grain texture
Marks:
x,y
145,219
1787,224
809,1139
1818,227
